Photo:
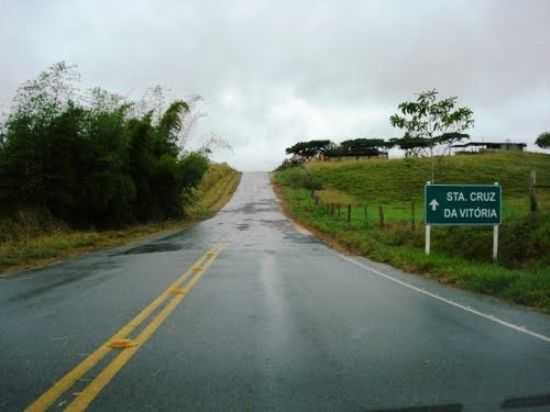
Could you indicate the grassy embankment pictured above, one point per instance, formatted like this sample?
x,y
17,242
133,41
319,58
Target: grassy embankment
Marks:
x,y
460,255
215,190
32,240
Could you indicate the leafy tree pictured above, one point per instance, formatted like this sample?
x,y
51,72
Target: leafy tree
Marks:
x,y
212,142
353,147
543,141
432,121
89,160
100,100
363,147
50,92
412,145
309,149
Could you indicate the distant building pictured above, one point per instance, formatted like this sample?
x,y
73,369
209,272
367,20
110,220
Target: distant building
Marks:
x,y
477,147
364,155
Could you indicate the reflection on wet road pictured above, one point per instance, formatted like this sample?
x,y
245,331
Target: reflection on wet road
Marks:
x,y
277,321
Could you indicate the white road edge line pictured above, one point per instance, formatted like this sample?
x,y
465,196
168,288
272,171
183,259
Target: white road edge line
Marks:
x,y
447,301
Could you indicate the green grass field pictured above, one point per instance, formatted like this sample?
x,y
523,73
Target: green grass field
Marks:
x,y
395,183
402,180
32,241
460,255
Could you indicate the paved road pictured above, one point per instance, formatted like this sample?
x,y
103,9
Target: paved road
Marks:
x,y
269,319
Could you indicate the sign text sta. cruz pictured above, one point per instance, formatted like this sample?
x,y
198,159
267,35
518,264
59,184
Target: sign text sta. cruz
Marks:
x,y
463,204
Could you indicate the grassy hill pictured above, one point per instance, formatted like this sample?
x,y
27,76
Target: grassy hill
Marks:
x,y
461,255
397,180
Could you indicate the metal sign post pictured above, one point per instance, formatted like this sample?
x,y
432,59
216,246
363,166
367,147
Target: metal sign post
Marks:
x,y
477,205
428,236
495,243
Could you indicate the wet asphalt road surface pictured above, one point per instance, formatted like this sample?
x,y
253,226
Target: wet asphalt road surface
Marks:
x,y
278,322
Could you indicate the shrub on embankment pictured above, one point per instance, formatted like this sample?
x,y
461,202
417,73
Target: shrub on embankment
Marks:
x,y
94,161
33,237
214,191
79,171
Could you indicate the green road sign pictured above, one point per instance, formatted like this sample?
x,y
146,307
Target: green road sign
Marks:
x,y
463,204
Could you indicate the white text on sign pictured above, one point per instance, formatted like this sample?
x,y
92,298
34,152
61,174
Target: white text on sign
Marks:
x,y
474,197
477,212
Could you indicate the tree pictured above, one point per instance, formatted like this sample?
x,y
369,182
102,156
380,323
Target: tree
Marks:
x,y
412,146
309,149
50,92
89,160
433,121
429,122
214,142
363,146
543,141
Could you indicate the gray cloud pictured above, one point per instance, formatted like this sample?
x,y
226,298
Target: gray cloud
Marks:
x,y
272,73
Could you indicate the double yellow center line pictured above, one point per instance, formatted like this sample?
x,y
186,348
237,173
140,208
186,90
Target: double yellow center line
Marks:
x,y
174,294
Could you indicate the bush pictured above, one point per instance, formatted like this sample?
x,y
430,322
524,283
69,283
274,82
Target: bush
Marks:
x,y
288,163
298,178
514,242
93,163
474,243
25,224
543,140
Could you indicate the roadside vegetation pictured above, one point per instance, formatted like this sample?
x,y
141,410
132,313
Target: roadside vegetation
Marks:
x,y
215,190
461,256
94,159
34,239
87,169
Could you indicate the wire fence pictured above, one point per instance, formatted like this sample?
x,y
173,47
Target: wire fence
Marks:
x,y
344,207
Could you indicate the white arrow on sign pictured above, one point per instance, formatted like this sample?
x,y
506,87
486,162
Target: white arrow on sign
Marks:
x,y
434,204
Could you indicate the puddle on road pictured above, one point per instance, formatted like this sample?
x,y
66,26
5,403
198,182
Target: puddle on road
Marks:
x,y
302,239
254,207
277,223
153,248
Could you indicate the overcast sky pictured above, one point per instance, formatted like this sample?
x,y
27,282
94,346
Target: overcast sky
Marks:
x,y
275,72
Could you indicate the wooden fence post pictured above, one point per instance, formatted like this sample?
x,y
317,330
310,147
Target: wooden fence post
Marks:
x,y
381,213
533,203
413,215
349,213
532,193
